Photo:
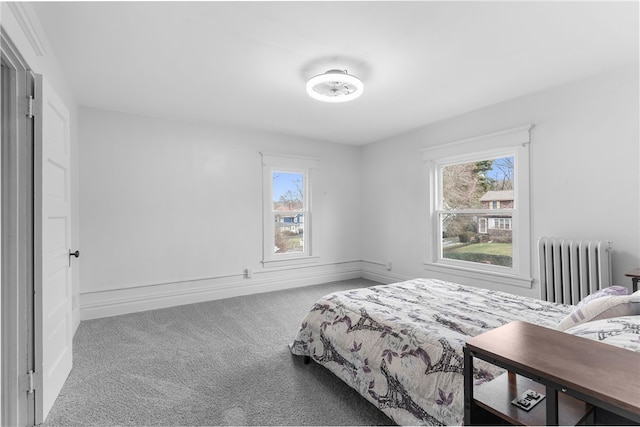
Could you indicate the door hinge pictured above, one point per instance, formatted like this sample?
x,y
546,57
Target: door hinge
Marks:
x,y
31,388
30,107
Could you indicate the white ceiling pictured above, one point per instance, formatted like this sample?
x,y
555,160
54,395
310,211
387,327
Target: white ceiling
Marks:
x,y
246,63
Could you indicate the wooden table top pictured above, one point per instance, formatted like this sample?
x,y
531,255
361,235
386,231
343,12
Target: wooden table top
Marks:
x,y
633,273
605,372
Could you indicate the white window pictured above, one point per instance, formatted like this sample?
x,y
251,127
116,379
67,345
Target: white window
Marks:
x,y
287,209
466,235
500,223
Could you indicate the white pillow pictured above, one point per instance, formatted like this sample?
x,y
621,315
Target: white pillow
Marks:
x,y
610,291
602,308
618,331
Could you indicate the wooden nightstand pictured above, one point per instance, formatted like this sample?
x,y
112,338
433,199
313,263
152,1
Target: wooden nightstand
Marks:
x,y
635,277
573,372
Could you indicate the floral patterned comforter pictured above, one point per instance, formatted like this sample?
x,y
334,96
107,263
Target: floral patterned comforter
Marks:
x,y
400,345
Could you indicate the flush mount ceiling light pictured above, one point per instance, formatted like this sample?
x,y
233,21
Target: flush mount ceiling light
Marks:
x,y
335,86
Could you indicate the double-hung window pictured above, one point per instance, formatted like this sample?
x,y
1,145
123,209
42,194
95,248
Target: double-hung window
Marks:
x,y
479,207
288,183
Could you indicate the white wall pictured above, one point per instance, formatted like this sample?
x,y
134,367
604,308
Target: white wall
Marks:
x,y
584,163
172,212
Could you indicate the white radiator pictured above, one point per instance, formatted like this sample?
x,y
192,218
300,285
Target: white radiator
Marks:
x,y
572,269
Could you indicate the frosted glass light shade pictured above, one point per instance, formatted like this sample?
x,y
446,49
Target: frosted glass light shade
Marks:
x,y
335,86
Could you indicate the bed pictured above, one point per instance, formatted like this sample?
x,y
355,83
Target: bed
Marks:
x,y
400,345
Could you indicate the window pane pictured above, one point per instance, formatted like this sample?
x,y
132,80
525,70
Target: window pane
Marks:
x,y
288,191
486,184
484,239
289,232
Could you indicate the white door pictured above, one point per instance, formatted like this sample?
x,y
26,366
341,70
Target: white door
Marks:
x,y
56,306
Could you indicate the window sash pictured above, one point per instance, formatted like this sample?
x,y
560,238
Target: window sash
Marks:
x,y
485,212
440,210
440,258
290,226
293,212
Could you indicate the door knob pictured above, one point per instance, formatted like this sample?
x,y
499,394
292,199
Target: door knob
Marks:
x,y
75,254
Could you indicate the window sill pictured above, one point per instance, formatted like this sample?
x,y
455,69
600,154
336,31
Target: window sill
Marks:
x,y
495,277
285,262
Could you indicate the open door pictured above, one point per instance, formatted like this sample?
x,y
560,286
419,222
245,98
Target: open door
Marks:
x,y
54,330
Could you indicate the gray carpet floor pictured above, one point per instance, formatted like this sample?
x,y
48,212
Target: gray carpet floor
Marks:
x,y
223,362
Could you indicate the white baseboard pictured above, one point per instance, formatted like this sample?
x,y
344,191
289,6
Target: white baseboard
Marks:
x,y
150,297
373,271
382,276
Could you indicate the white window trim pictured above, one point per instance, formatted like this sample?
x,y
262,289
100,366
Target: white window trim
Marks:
x,y
309,167
512,141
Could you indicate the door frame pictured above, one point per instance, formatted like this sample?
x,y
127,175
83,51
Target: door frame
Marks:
x,y
17,250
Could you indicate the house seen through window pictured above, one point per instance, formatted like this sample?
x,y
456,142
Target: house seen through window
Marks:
x,y
476,211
